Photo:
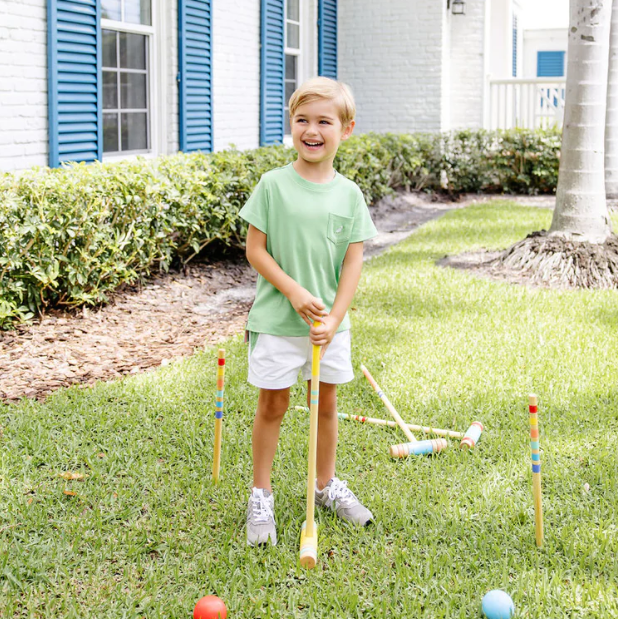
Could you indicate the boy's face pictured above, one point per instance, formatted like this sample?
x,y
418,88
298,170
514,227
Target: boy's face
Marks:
x,y
317,131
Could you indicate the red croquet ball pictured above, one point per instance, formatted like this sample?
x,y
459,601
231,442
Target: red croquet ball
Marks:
x,y
210,607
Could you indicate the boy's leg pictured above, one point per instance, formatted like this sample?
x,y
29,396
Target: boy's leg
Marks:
x,y
272,405
327,432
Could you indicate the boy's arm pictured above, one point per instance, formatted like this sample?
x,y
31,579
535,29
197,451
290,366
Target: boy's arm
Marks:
x,y
309,308
323,334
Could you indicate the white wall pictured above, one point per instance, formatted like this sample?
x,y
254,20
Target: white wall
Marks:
x,y
501,47
545,40
467,66
236,73
390,53
23,84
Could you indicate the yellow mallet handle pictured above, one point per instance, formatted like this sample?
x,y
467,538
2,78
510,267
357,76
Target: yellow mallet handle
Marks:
x,y
391,409
309,533
216,461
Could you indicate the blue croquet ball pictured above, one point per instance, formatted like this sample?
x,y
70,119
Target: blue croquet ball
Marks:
x,y
497,604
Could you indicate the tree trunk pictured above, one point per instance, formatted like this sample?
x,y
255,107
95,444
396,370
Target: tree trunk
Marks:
x,y
611,117
581,209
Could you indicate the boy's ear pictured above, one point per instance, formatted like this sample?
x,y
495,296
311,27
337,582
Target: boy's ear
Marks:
x,y
347,131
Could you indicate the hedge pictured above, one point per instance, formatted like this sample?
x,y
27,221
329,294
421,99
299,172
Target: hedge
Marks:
x,y
69,236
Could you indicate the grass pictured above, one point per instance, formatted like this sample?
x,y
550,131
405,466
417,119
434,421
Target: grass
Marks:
x,y
146,534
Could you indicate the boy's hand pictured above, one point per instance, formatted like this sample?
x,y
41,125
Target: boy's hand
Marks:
x,y
323,334
308,307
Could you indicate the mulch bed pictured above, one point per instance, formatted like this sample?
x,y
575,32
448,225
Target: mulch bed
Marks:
x,y
142,327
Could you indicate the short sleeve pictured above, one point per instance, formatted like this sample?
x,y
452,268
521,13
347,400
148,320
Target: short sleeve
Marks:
x,y
364,228
255,210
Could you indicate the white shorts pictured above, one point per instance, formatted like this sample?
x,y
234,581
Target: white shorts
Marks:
x,y
275,360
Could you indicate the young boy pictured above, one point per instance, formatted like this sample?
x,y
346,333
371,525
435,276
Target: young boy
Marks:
x,y
305,239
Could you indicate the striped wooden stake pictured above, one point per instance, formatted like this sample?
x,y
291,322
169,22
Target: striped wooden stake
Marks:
x,y
391,409
536,468
216,463
309,533
393,424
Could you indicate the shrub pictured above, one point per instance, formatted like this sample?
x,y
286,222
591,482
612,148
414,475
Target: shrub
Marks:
x,y
68,236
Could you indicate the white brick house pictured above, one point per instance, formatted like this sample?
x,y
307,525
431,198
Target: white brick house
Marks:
x,y
92,79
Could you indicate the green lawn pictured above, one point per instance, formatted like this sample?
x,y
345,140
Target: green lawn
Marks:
x,y
147,534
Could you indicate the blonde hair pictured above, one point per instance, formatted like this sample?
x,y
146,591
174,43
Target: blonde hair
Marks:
x,y
318,88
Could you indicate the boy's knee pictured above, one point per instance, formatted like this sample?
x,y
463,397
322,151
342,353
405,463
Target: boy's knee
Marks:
x,y
273,404
327,412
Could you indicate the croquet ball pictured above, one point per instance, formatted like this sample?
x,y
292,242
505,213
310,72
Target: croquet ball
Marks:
x,y
497,604
210,607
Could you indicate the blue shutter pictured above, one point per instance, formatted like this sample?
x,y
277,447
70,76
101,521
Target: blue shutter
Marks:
x,y
327,38
550,64
74,81
195,74
271,76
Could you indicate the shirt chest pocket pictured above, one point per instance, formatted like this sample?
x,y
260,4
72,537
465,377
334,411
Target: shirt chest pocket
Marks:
x,y
339,228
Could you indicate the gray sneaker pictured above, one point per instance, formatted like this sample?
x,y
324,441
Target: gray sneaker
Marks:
x,y
337,496
261,518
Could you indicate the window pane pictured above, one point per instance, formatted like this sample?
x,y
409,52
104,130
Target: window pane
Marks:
x,y
110,90
293,38
110,133
133,91
290,67
132,51
293,10
137,12
287,129
290,87
134,131
110,9
109,49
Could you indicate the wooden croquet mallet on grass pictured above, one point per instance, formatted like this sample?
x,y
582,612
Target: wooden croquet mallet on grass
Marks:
x,y
216,462
418,448
391,409
536,468
472,436
309,532
392,424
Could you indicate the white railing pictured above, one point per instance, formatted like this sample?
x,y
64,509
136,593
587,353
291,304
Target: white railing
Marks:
x,y
527,103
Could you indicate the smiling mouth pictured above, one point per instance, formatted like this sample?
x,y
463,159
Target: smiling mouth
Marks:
x,y
312,144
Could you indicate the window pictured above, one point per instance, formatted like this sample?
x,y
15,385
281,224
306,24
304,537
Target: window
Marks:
x,y
127,35
292,55
550,64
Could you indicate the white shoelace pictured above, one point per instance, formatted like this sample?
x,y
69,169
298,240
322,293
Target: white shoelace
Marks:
x,y
338,490
261,510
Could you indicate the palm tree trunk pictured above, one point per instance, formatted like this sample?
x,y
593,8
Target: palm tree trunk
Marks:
x,y
581,208
611,117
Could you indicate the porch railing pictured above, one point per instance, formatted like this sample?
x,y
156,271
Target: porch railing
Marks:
x,y
526,103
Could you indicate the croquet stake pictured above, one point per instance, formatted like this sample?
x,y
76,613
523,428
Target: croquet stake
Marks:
x,y
536,468
216,462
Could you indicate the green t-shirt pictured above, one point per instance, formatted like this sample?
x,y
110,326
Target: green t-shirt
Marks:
x,y
308,227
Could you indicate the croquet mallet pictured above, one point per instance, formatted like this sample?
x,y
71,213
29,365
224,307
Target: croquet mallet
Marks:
x,y
414,447
392,424
391,409
216,462
309,532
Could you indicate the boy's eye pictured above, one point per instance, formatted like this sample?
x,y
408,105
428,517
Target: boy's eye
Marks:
x,y
325,122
